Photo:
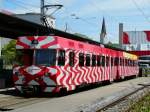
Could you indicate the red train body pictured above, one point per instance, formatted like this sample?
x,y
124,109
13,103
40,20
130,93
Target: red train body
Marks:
x,y
53,63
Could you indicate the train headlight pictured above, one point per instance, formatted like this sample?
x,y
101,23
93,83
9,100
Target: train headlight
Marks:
x,y
47,74
17,74
38,78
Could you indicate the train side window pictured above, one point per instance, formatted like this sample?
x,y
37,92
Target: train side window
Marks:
x,y
81,59
116,61
126,61
71,58
132,62
103,61
112,61
120,61
98,60
93,60
87,60
123,61
107,61
61,57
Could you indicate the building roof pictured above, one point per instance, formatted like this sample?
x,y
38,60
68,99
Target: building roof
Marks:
x,y
33,13
13,27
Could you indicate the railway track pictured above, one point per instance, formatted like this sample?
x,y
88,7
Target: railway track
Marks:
x,y
124,103
10,102
118,102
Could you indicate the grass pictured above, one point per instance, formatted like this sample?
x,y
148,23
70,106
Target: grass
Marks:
x,y
142,106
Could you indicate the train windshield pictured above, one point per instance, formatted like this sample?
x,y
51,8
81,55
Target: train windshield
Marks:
x,y
24,57
46,57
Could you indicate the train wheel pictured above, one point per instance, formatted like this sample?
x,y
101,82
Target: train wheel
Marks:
x,y
122,77
111,80
62,92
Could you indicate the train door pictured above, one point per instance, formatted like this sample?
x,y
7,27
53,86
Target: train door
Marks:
x,y
112,71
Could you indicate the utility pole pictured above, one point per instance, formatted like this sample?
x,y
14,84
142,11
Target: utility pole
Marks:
x,y
120,34
66,27
42,12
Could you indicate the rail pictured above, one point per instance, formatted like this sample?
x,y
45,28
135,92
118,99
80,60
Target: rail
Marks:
x,y
120,102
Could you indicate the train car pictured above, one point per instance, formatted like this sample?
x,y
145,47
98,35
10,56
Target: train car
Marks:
x,y
55,64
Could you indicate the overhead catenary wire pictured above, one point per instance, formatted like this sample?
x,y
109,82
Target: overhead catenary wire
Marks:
x,y
99,9
27,4
78,18
20,5
141,11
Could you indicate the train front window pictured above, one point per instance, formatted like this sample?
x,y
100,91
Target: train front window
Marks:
x,y
46,57
24,57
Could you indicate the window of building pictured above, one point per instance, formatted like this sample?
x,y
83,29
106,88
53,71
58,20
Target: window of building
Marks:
x,y
71,58
93,60
98,60
103,61
87,59
61,57
81,59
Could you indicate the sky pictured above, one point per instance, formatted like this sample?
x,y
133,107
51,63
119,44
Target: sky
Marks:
x,y
85,16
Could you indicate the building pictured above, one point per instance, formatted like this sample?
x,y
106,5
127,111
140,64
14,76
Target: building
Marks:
x,y
137,42
36,18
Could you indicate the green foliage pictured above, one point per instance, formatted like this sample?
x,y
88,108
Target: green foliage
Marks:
x,y
142,106
82,35
113,45
9,52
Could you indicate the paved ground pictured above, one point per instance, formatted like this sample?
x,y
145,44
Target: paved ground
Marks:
x,y
74,101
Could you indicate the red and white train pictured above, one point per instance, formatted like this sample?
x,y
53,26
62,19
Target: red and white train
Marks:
x,y
54,64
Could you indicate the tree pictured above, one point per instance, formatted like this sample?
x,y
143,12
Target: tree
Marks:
x,y
82,35
9,52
